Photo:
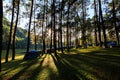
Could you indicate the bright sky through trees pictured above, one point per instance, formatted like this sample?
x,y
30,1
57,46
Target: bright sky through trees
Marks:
x,y
23,21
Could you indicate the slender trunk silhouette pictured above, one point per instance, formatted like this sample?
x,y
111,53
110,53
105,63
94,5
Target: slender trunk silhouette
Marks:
x,y
102,22
51,26
10,36
61,11
51,36
61,31
43,37
76,32
95,23
58,39
83,26
68,10
1,29
99,32
51,30
35,39
28,40
54,29
98,22
70,37
114,22
15,28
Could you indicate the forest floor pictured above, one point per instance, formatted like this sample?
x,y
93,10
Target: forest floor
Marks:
x,y
78,64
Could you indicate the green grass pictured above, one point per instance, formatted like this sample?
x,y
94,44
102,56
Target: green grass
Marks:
x,y
19,53
78,64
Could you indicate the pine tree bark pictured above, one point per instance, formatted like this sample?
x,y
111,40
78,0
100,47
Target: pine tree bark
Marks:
x,y
114,22
76,31
15,28
99,31
1,29
83,26
95,23
103,27
51,26
35,39
10,36
51,36
54,28
43,35
62,5
68,10
28,40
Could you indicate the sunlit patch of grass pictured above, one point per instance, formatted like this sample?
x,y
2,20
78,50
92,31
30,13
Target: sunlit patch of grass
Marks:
x,y
13,72
89,49
19,54
17,57
48,70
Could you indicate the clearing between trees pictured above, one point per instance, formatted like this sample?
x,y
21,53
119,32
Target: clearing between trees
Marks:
x,y
78,64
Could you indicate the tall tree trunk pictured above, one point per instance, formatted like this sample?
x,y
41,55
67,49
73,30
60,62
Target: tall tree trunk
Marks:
x,y
61,25
70,37
99,31
103,27
114,22
51,39
1,29
58,39
10,36
65,40
64,34
76,32
61,12
54,29
35,39
95,32
51,28
75,26
95,22
83,26
28,40
68,10
15,28
51,35
43,35
98,22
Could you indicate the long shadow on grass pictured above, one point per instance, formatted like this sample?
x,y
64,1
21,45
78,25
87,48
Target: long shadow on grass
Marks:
x,y
110,54
10,67
92,66
26,65
66,70
50,75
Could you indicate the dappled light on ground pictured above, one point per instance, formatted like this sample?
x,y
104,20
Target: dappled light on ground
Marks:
x,y
78,64
17,57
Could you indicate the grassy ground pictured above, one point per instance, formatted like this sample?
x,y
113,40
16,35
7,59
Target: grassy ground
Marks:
x,y
78,64
19,53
